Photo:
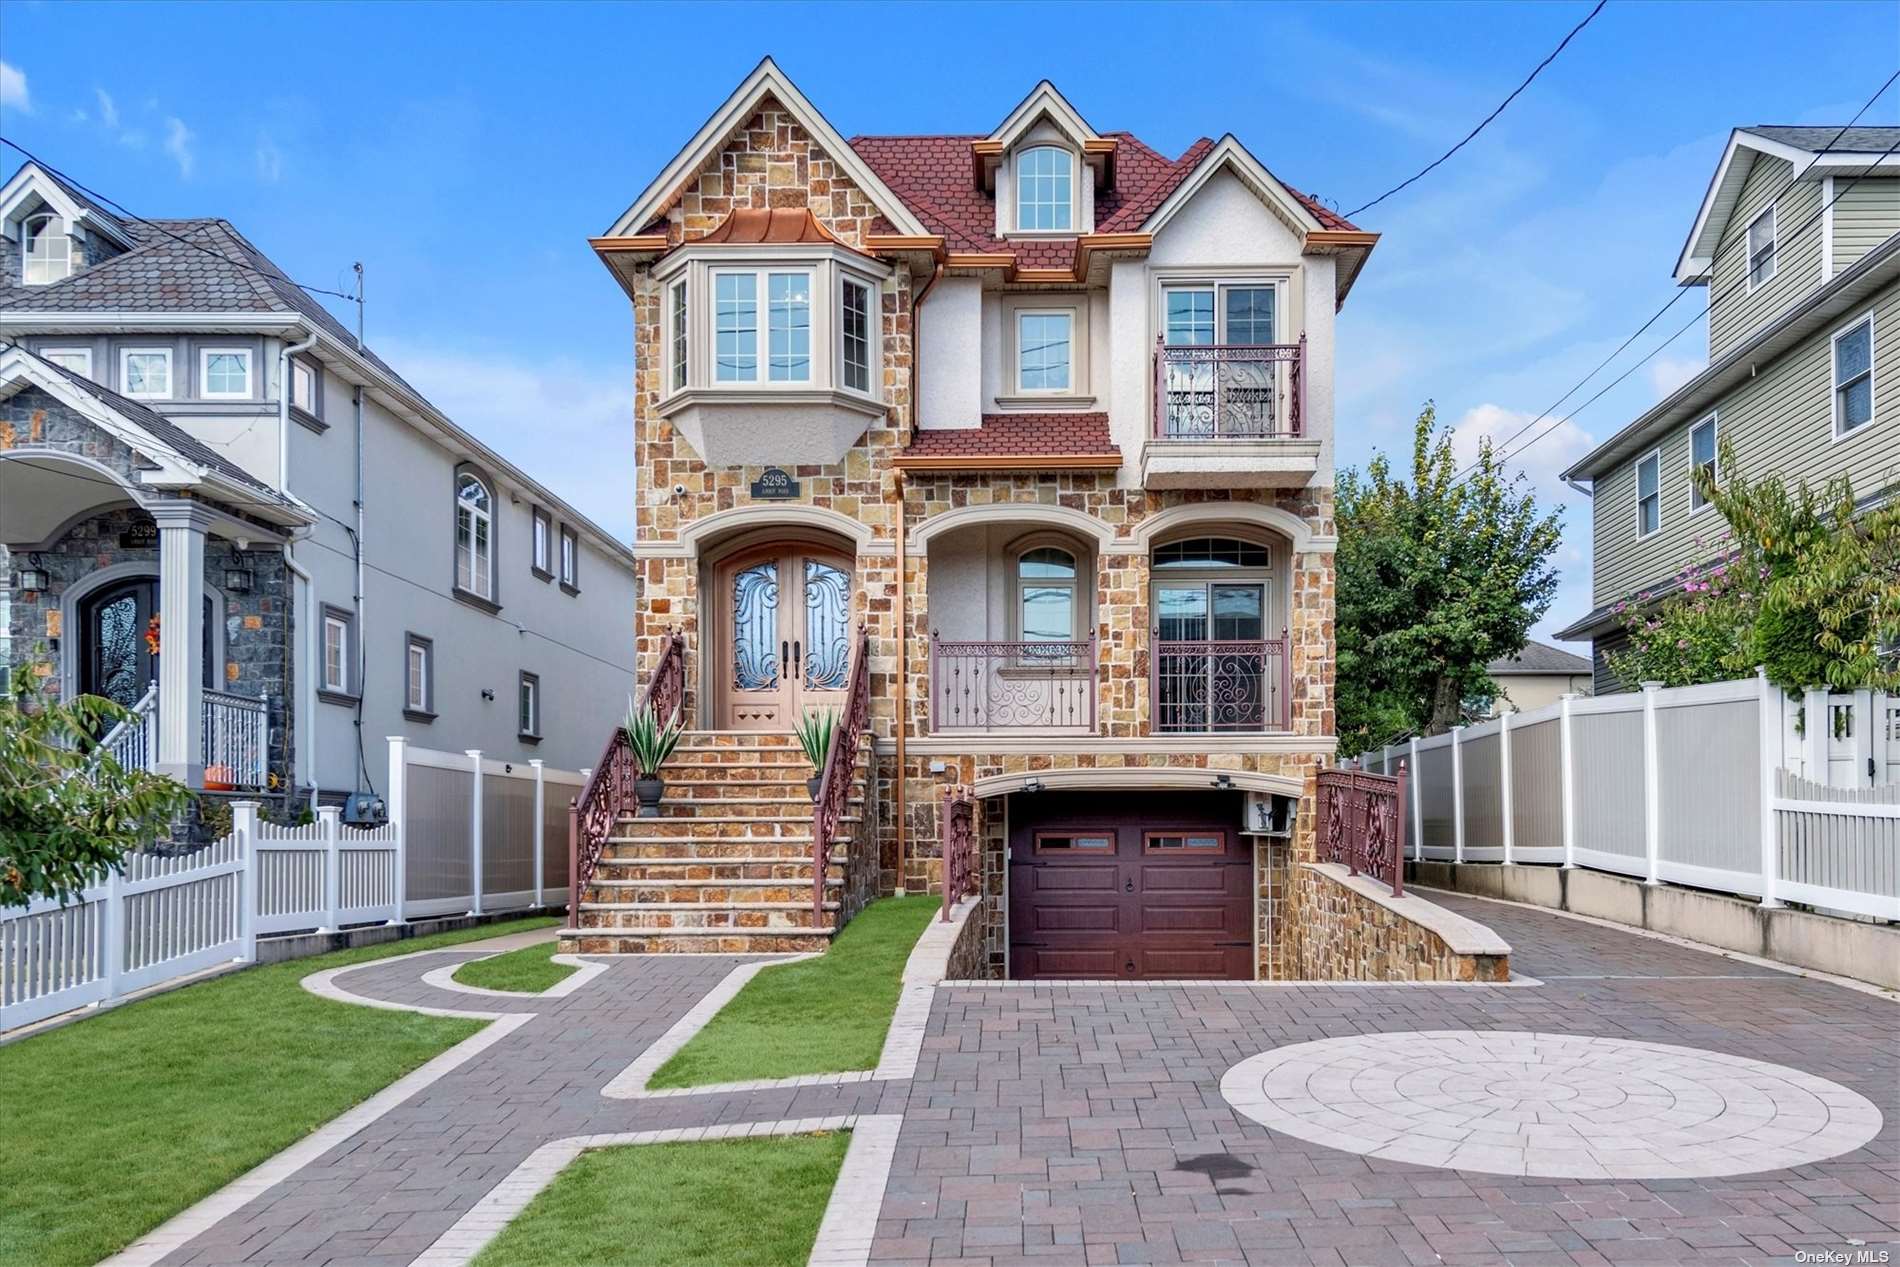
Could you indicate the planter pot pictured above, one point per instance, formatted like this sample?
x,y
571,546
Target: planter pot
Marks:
x,y
812,784
649,788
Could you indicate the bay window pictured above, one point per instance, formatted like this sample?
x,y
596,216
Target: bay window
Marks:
x,y
145,373
854,332
224,373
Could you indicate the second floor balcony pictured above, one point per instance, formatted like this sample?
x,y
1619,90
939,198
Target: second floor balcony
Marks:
x,y
1231,413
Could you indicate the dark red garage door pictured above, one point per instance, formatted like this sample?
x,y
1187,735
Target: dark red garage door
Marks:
x,y
1129,886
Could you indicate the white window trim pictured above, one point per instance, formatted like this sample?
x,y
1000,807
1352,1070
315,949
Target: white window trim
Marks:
x,y
1017,228
411,644
315,407
337,618
59,223
1279,280
676,381
486,575
1748,250
541,542
1698,503
1081,613
171,374
567,559
1016,342
1833,375
762,379
48,353
522,681
1654,455
204,373
873,334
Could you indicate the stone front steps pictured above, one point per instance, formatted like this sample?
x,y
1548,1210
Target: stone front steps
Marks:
x,y
727,866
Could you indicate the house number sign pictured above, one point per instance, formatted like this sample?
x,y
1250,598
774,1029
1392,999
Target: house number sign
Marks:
x,y
774,484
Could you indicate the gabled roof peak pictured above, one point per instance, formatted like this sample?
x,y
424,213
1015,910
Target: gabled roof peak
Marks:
x,y
1044,101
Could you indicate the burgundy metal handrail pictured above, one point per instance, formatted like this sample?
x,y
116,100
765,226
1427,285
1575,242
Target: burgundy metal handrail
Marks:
x,y
1362,823
609,791
834,786
959,846
1229,391
990,686
1220,686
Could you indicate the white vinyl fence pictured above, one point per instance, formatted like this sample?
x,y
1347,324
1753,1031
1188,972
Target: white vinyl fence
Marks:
x,y
465,835
1731,786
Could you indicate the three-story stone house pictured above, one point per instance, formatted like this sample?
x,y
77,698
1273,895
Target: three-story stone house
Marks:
x,y
1049,416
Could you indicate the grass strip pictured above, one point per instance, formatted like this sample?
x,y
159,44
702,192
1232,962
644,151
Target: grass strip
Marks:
x,y
823,1015
528,970
716,1203
117,1123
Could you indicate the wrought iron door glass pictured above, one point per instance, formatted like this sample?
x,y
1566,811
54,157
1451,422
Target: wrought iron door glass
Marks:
x,y
755,637
827,626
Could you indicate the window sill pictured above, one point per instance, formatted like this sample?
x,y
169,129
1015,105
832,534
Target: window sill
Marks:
x,y
416,714
475,600
768,394
1050,403
529,739
344,698
539,573
309,420
569,588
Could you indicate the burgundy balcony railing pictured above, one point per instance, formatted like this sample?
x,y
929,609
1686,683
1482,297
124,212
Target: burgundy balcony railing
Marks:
x,y
957,820
1230,391
1362,823
992,686
1221,686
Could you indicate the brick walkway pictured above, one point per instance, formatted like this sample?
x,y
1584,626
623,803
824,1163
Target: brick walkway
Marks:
x,y
1086,1124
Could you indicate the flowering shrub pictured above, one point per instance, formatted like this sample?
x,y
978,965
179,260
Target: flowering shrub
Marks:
x,y
1694,630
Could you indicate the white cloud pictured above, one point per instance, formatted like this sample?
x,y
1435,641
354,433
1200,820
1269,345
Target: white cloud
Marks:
x,y
270,160
1539,452
569,426
108,108
1666,373
13,93
178,143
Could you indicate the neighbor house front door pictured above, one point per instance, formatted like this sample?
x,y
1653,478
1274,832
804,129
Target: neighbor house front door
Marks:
x,y
784,645
114,658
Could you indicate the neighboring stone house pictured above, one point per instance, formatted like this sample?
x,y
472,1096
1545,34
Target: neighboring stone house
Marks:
x,y
1050,415
160,486
1540,674
1798,245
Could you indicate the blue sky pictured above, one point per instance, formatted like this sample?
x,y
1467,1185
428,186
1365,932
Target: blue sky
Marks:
x,y
465,153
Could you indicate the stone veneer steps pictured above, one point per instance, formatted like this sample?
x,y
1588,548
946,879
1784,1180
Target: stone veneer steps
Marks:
x,y
727,866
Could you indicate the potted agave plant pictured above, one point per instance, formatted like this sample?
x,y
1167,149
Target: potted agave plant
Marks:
x,y
651,744
814,731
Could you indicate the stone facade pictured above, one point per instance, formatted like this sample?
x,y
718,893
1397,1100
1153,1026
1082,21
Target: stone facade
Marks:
x,y
1343,935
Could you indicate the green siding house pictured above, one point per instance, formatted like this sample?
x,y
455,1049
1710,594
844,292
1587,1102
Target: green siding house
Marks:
x,y
1798,241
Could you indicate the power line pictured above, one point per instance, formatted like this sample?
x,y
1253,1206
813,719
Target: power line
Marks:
x,y
1682,290
121,209
1645,359
1486,122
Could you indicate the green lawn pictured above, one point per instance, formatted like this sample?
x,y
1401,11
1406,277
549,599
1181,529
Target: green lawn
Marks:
x,y
122,1120
720,1203
529,970
824,1015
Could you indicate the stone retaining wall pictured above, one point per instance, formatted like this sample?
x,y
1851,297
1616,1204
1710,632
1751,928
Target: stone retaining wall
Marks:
x,y
1352,929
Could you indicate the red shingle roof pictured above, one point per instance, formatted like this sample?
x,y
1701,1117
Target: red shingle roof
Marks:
x,y
1050,435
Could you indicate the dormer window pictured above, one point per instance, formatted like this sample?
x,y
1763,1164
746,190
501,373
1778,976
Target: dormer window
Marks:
x,y
46,252
1045,185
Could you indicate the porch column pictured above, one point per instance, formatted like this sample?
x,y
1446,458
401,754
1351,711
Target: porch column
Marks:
x,y
181,592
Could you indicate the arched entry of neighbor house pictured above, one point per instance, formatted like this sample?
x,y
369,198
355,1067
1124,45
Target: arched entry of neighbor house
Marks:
x,y
114,655
778,619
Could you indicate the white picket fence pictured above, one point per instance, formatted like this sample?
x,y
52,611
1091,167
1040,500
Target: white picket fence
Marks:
x,y
465,835
1704,786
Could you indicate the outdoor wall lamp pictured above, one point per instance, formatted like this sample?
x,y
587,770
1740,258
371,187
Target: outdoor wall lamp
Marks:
x,y
488,693
1223,781
1032,785
237,580
33,579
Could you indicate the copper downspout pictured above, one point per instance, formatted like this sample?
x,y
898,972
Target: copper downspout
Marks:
x,y
903,589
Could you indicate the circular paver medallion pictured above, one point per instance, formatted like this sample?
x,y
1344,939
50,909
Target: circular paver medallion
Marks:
x,y
1550,1105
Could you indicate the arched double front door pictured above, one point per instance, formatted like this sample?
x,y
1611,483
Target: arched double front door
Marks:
x,y
782,626
115,659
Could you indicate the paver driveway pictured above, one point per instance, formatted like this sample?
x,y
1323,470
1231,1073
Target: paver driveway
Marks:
x,y
1056,1124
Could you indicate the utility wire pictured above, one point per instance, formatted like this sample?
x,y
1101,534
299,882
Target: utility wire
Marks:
x,y
1648,356
120,209
1486,122
1504,445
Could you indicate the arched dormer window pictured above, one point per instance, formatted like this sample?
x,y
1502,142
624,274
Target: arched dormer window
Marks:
x,y
46,253
474,537
1045,190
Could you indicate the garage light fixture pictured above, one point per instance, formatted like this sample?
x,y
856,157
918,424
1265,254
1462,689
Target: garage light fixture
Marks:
x,y
1223,781
1032,785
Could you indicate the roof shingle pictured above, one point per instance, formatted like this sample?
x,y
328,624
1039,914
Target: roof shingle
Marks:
x,y
1019,435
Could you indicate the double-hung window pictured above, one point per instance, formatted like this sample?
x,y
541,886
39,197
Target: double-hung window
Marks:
x,y
304,392
677,315
1702,458
145,373
570,559
1649,495
474,538
543,544
1761,248
1044,344
418,676
1854,376
224,373
787,326
528,706
338,634
1044,190
855,315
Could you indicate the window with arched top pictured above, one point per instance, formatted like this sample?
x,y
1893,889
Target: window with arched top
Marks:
x,y
474,537
1045,595
1212,553
46,253
1045,189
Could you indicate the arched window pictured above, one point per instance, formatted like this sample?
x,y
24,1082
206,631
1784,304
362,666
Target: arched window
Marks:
x,y
46,251
1044,189
1045,595
474,537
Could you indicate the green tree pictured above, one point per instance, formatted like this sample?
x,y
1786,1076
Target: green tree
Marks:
x,y
68,811
1436,577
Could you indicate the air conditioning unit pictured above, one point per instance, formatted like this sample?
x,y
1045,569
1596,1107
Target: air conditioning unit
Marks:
x,y
1269,814
365,809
